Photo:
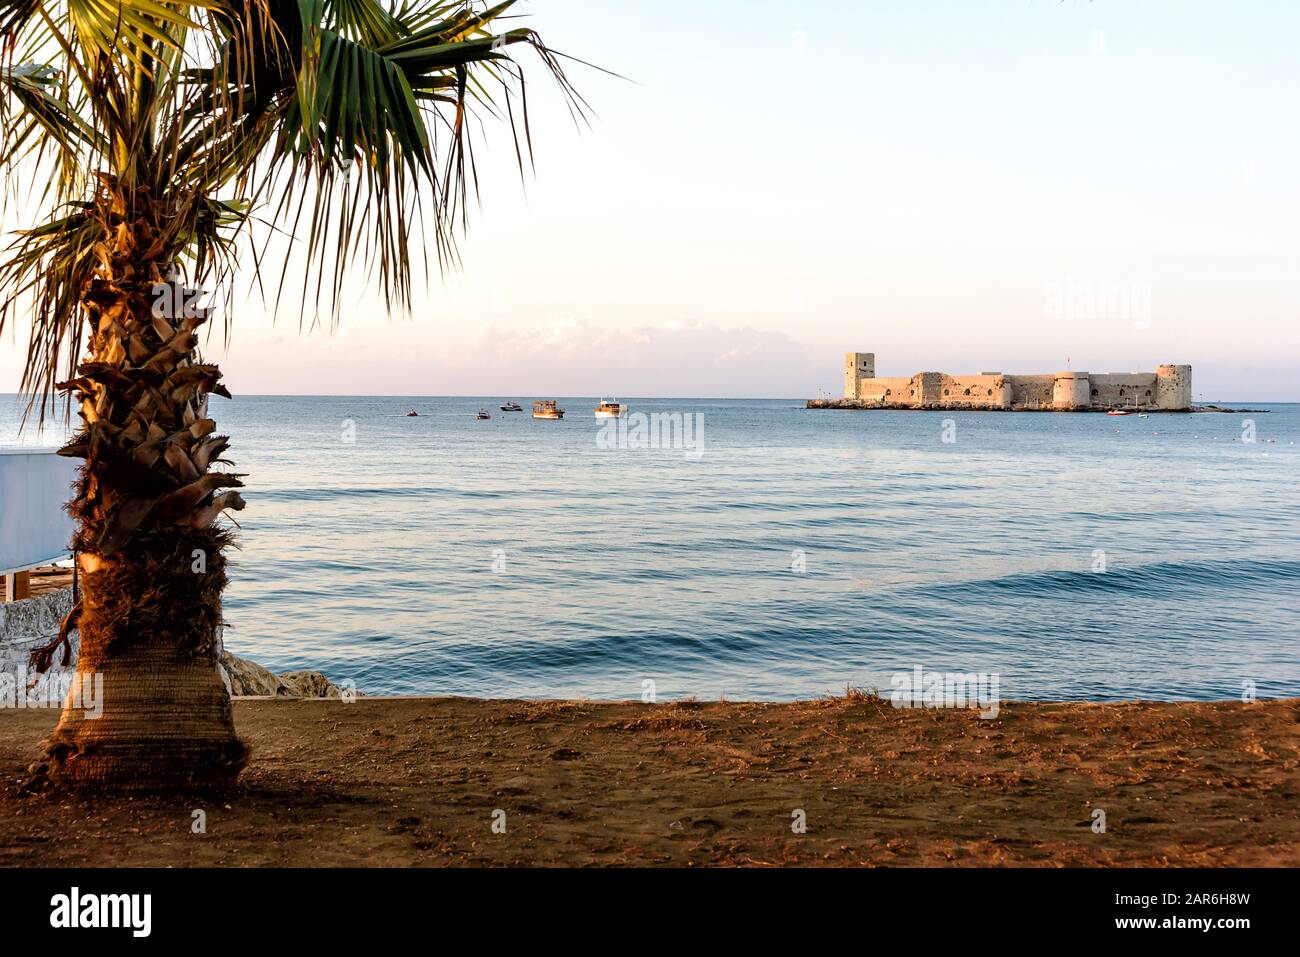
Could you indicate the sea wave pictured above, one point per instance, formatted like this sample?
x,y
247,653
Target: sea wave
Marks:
x,y
1154,579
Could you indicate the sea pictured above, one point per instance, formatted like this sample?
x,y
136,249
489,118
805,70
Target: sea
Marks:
x,y
758,550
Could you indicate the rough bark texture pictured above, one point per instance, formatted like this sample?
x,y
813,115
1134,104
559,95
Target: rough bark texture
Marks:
x,y
150,556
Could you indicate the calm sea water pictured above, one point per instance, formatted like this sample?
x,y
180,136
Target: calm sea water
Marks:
x,y
799,553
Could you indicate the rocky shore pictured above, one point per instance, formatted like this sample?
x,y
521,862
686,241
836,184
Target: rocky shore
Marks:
x,y
35,621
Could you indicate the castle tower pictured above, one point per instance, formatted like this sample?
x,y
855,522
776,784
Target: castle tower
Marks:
x,y
857,366
1072,390
1174,387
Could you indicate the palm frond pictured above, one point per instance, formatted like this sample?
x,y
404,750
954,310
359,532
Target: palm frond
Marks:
x,y
348,122
127,28
44,272
380,143
364,20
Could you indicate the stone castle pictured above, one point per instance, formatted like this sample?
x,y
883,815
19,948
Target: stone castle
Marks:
x,y
1168,389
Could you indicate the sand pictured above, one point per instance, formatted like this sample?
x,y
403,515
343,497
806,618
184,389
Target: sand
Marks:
x,y
417,782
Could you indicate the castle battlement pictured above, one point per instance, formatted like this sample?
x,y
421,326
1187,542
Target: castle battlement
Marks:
x,y
1168,389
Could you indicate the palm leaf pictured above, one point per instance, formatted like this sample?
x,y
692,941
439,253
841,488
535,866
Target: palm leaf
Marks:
x,y
347,122
113,28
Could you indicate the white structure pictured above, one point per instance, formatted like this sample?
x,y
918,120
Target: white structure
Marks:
x,y
34,528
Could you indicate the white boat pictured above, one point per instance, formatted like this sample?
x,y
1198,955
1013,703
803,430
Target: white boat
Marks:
x,y
611,409
547,409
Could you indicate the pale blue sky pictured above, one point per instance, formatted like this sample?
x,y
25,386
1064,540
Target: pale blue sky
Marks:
x,y
949,185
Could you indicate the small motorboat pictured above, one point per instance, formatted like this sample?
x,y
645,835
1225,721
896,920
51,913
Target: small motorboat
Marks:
x,y
482,415
610,409
512,407
1119,412
413,415
547,409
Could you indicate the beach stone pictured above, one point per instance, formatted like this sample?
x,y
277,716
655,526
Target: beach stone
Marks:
x,y
245,679
248,679
311,684
35,621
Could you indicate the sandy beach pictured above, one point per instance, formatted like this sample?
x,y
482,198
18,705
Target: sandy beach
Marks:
x,y
417,781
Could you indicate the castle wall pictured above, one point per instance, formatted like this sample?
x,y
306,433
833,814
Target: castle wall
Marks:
x,y
989,391
1123,390
897,391
929,388
1032,391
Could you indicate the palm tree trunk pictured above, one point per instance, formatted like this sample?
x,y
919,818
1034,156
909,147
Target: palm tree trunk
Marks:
x,y
151,559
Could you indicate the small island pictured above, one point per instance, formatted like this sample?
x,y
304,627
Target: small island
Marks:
x,y
1168,389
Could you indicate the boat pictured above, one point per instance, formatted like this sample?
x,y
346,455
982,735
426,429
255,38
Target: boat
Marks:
x,y
413,415
610,409
482,414
547,409
1119,412
512,407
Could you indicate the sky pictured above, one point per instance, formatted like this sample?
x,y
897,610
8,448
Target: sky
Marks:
x,y
954,186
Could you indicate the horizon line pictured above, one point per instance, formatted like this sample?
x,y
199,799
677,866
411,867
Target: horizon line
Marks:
x,y
560,395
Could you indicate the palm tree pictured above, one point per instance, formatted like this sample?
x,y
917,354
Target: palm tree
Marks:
x,y
167,132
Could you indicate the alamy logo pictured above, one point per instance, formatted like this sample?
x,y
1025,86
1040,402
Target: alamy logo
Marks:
x,y
659,430
133,911
937,689
22,689
1074,299
174,300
